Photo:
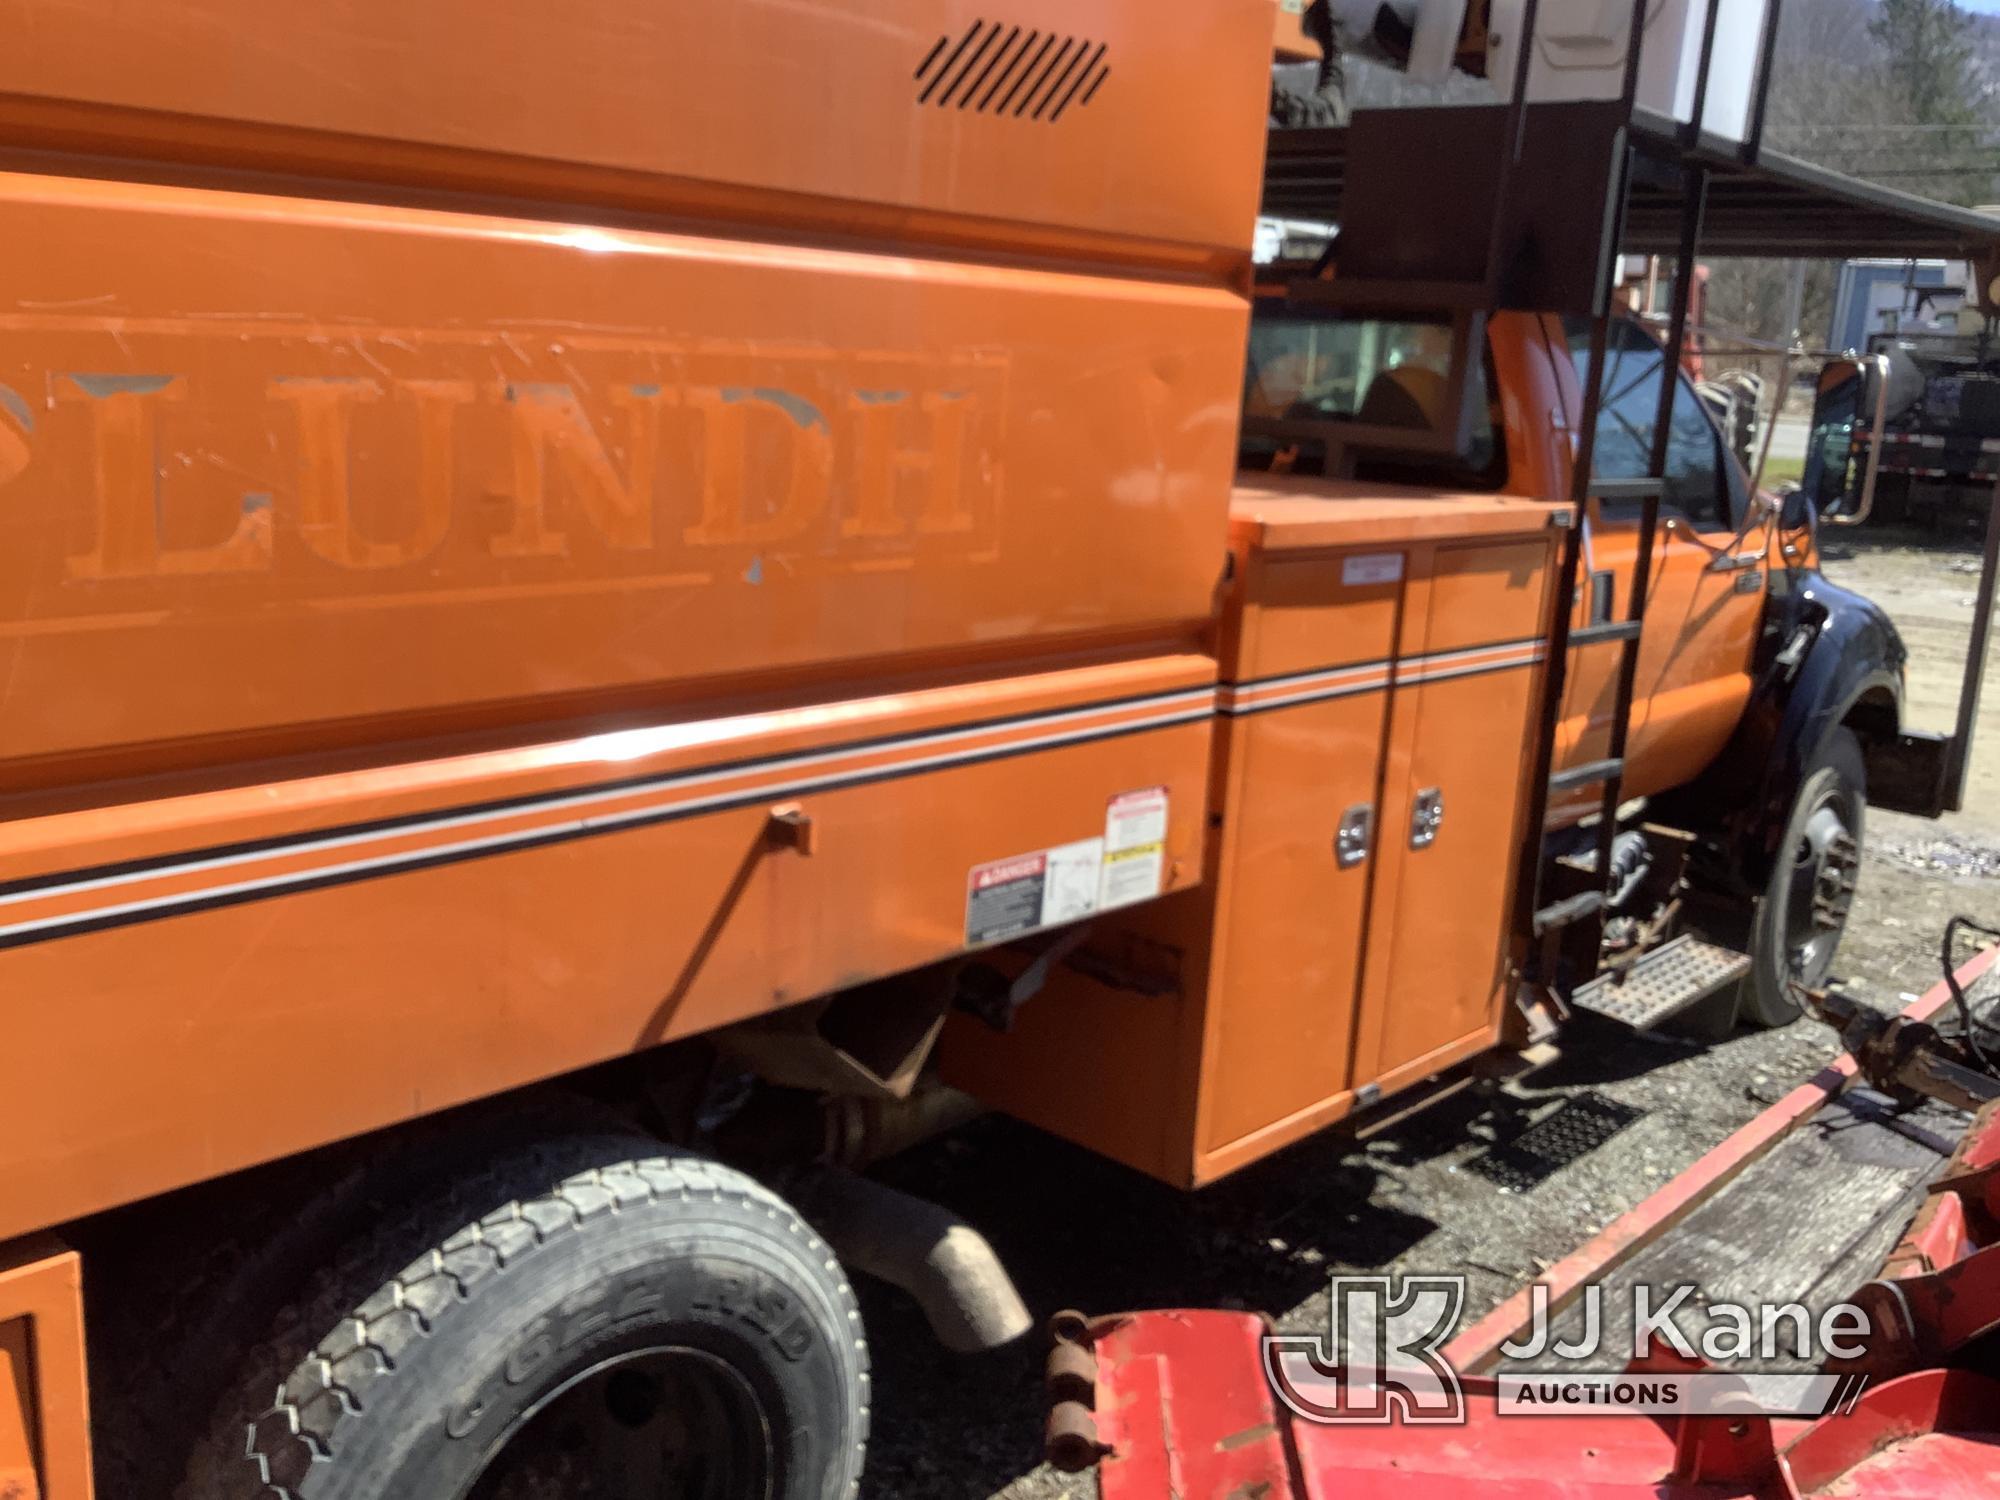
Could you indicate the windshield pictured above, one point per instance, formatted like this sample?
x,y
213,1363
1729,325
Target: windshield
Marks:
x,y
1370,372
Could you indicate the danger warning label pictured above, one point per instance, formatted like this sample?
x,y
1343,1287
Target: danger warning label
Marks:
x,y
1005,898
1067,882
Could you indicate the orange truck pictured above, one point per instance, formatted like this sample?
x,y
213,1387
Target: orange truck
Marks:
x,y
607,612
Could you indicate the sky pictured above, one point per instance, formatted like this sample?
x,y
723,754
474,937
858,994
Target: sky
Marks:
x,y
1984,7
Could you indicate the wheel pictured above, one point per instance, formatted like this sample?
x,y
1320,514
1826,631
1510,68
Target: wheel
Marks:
x,y
580,1320
1803,910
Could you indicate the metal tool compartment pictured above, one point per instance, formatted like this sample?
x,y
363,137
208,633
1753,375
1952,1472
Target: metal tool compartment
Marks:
x,y
1372,650
1467,674
1381,673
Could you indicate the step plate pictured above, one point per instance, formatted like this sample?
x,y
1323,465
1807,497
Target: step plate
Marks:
x,y
1664,982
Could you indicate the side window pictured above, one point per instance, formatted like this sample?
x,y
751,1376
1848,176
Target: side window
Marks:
x,y
1697,483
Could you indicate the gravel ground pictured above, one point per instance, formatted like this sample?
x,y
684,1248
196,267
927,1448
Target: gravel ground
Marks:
x,y
1077,1231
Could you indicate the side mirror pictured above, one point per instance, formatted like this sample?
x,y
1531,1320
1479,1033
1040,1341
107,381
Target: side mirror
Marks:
x,y
1855,398
1829,482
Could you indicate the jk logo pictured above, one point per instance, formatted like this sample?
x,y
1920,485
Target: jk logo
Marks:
x,y
1379,1359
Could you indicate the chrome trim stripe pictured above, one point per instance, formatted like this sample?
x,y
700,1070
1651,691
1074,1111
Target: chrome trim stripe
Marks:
x,y
675,795
1289,689
1467,663
1238,703
1162,711
1300,687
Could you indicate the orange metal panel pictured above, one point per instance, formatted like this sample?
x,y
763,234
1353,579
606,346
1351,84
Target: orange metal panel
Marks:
x,y
20,1466
1294,618
822,115
1483,595
1112,1066
1438,957
493,941
44,1388
1693,679
281,476
1289,513
292,799
1333,1109
1231,1014
1290,918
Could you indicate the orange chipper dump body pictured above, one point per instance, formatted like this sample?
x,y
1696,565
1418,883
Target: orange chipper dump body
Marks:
x,y
469,473
419,583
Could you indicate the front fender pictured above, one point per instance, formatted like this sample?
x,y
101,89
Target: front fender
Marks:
x,y
1825,655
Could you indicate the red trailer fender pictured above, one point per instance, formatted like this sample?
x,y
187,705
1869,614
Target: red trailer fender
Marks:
x,y
1177,1403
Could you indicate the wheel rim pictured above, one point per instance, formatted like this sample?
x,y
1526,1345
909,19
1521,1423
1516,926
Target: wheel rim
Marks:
x,y
1820,892
648,1424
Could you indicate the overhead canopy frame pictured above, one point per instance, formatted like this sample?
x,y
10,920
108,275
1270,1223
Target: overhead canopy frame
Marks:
x,y
1760,203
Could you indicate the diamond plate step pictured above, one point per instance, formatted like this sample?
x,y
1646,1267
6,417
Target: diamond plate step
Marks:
x,y
1667,980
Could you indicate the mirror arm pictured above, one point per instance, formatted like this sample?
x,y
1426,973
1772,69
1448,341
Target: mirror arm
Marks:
x,y
1881,362
1728,559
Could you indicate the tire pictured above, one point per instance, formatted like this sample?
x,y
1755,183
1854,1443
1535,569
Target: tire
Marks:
x,y
586,1318
1793,935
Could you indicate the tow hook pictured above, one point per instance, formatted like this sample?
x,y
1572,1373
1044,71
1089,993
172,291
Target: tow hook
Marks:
x,y
1072,1443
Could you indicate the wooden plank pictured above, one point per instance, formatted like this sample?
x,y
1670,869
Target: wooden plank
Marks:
x,y
1477,1347
1807,1223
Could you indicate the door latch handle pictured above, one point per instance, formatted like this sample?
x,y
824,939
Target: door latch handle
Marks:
x,y
1350,842
1426,817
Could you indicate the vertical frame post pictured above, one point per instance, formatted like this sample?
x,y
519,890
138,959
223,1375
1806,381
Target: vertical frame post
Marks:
x,y
1753,139
1958,758
1555,673
1694,206
1701,76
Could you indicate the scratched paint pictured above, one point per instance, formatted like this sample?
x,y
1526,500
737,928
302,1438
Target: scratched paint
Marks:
x,y
794,406
16,406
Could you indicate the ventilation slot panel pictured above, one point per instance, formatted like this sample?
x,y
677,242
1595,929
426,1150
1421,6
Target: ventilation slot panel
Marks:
x,y
998,68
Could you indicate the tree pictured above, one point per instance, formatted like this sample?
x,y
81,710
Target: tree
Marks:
x,y
1934,77
1928,44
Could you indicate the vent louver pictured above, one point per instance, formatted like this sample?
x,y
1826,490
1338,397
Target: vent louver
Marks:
x,y
1000,69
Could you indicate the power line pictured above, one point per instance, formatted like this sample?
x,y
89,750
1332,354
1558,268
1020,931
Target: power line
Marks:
x,y
1990,171
1904,129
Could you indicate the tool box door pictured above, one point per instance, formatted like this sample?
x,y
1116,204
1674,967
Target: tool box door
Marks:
x,y
1292,912
1458,762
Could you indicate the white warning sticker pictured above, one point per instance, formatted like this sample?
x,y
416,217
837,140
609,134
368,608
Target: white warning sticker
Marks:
x,y
1074,873
1371,567
1048,887
1135,847
1135,819
1133,875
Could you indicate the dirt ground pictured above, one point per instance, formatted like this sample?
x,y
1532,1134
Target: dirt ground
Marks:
x,y
1077,1231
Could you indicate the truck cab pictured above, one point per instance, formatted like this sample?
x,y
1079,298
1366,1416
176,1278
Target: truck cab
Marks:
x,y
1728,578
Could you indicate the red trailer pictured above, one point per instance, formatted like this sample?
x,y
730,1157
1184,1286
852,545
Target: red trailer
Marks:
x,y
1183,1403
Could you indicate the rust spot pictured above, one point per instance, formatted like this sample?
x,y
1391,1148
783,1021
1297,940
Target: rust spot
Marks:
x,y
1246,1437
